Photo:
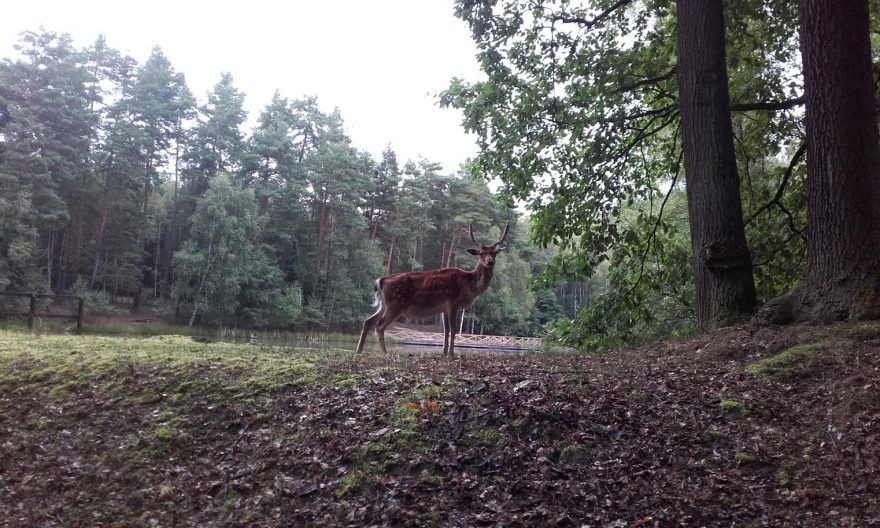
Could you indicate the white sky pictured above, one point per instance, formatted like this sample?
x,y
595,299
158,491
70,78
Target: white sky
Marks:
x,y
382,62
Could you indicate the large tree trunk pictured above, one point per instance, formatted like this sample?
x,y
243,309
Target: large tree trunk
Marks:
x,y
842,277
725,289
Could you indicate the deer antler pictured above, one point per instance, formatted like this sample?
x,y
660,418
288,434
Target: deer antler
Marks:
x,y
471,232
503,235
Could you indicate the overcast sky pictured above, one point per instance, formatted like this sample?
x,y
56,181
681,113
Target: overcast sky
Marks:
x,y
381,62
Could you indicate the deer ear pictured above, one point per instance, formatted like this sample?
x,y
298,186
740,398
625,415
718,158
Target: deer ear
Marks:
x,y
473,251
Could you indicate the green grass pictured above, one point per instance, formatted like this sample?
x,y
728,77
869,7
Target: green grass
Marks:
x,y
65,366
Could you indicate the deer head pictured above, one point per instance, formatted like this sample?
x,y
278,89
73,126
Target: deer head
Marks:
x,y
486,254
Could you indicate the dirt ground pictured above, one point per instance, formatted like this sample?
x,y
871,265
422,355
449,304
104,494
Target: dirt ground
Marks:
x,y
743,427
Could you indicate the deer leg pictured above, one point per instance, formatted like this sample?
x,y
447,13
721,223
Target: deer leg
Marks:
x,y
452,317
445,332
369,324
387,318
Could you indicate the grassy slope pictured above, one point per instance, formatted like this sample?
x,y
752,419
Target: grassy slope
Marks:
x,y
777,427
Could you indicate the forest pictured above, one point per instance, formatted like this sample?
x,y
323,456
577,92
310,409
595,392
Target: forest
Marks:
x,y
646,202
120,185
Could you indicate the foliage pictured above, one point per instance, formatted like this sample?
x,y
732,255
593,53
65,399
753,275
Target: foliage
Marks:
x,y
578,118
94,302
219,265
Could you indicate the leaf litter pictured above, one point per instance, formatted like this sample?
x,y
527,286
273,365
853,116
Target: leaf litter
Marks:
x,y
633,438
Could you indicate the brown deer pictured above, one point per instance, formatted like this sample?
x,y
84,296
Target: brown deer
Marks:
x,y
447,291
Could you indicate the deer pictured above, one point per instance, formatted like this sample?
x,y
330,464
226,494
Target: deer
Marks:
x,y
446,291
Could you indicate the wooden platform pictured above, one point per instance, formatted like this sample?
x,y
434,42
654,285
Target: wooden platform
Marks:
x,y
408,336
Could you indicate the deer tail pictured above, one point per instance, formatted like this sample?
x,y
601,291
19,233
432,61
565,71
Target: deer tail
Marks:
x,y
377,293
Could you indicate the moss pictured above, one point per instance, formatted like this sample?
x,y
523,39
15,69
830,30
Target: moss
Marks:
x,y
62,392
351,484
164,434
790,362
343,381
231,501
745,458
36,424
484,438
717,436
308,379
574,454
732,406
783,478
864,331
637,396
269,377
432,392
866,300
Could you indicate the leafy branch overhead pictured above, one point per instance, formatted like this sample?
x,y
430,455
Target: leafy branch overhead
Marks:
x,y
579,118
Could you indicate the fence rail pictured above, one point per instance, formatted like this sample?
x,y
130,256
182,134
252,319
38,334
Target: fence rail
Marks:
x,y
417,337
32,308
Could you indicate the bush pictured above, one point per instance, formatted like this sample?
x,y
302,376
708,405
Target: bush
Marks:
x,y
94,301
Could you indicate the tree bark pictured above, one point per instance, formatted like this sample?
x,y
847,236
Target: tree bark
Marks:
x,y
390,256
724,284
106,203
842,277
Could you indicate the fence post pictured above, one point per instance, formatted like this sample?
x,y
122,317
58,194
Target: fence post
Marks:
x,y
79,316
31,311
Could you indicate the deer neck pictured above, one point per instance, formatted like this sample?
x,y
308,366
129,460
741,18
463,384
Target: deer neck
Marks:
x,y
483,277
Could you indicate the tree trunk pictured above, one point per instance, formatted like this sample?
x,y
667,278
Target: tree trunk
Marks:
x,y
452,244
842,277
99,243
725,289
156,262
106,203
374,226
171,239
390,256
49,241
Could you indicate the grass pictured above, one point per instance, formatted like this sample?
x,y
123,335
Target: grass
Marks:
x,y
303,339
62,366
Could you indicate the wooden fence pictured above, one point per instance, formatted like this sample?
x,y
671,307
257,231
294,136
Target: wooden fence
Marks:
x,y
409,336
32,308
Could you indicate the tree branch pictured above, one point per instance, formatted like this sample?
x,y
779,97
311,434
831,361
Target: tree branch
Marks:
x,y
769,105
589,24
643,134
777,198
658,111
652,80
644,257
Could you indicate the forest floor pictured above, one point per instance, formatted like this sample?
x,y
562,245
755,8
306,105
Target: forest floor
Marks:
x,y
761,427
